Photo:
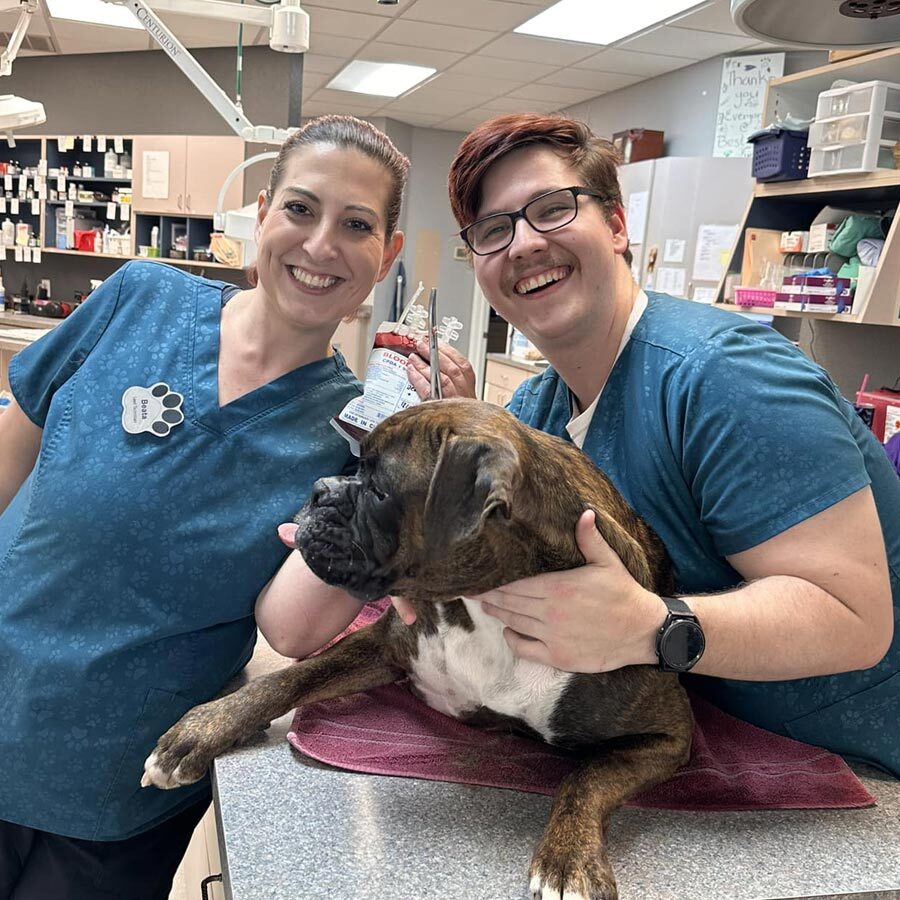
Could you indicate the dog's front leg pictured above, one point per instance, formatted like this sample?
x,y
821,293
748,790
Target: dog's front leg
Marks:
x,y
571,859
184,753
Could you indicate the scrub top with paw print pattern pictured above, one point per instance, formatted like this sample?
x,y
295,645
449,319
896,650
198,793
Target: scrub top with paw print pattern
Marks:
x,y
131,558
721,435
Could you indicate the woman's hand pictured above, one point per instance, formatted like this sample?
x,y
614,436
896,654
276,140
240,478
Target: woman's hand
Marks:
x,y
595,618
457,375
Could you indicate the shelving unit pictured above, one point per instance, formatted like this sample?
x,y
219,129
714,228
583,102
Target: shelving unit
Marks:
x,y
792,205
30,150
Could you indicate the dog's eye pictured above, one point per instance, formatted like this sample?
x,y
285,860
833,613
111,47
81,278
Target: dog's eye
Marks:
x,y
379,494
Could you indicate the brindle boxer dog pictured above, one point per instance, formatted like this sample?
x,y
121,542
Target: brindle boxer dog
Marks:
x,y
454,498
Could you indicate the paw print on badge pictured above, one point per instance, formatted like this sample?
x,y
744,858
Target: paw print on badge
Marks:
x,y
156,409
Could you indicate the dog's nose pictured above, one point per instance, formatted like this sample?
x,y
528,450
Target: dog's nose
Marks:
x,y
320,489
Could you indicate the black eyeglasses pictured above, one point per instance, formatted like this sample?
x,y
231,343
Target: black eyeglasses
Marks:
x,y
545,213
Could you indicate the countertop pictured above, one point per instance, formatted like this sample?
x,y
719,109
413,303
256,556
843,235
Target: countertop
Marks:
x,y
292,829
505,359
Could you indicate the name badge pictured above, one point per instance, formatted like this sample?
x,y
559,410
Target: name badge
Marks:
x,y
156,409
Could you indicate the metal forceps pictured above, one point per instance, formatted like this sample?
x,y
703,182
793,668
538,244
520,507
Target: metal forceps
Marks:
x,y
437,392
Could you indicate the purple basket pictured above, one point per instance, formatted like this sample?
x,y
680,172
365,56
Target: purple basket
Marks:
x,y
780,155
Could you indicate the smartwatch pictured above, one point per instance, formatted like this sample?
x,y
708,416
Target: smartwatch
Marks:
x,y
679,642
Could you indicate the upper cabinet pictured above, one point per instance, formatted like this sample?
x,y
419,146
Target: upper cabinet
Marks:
x,y
183,174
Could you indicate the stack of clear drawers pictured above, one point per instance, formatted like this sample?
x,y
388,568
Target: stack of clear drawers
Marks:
x,y
856,129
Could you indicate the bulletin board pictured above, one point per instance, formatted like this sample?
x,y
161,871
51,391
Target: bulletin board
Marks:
x,y
742,95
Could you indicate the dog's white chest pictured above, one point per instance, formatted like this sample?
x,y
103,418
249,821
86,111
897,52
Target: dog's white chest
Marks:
x,y
457,671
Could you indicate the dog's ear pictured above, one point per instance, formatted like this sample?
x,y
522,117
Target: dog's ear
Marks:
x,y
472,481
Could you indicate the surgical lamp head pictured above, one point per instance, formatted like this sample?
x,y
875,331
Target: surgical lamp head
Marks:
x,y
289,32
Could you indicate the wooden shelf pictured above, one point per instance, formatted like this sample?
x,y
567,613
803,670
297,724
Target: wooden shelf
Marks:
x,y
103,203
188,263
849,318
823,184
95,178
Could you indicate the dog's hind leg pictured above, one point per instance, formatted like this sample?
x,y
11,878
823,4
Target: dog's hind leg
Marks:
x,y
184,753
571,859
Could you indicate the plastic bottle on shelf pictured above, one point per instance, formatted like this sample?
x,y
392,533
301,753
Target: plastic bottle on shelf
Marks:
x,y
105,240
154,237
2,295
98,241
8,232
110,161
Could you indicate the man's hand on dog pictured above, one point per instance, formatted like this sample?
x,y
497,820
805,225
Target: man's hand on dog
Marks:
x,y
595,618
457,375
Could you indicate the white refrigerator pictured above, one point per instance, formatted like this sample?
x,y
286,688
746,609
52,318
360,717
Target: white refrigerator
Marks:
x,y
683,213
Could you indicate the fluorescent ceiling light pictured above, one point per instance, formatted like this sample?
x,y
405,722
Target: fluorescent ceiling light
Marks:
x,y
381,79
94,12
601,21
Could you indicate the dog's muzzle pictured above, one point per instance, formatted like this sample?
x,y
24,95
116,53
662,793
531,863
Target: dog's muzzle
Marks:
x,y
348,537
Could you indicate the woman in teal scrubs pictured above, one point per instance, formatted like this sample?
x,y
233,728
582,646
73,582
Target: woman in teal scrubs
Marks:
x,y
157,438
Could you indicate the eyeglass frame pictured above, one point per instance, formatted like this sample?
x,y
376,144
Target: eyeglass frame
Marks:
x,y
576,191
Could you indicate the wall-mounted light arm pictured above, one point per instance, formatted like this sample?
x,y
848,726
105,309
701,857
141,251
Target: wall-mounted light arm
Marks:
x,y
290,33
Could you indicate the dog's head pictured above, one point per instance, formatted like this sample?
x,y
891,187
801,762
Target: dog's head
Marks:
x,y
452,498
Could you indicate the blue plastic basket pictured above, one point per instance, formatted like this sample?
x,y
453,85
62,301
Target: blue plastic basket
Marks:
x,y
780,155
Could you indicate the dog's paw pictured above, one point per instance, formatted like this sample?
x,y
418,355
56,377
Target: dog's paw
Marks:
x,y
184,753
571,876
156,409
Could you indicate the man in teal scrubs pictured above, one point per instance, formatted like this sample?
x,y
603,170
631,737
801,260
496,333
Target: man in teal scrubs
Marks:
x,y
779,509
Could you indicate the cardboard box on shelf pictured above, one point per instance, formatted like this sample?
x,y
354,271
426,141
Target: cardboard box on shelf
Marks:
x,y
636,144
820,237
762,247
794,241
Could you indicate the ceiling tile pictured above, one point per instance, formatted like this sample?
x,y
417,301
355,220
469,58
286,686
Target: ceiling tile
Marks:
x,y
488,14
687,43
630,62
515,104
340,100
475,84
333,45
469,120
375,9
434,103
528,48
590,80
325,65
716,17
510,69
312,81
343,23
441,37
559,96
75,37
422,120
378,51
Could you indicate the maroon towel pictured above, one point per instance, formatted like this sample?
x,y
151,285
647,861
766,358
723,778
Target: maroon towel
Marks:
x,y
733,765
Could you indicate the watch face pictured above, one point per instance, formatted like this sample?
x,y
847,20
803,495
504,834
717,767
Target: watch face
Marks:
x,y
682,644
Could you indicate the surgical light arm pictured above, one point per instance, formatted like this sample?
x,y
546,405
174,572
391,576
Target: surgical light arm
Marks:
x,y
29,7
296,41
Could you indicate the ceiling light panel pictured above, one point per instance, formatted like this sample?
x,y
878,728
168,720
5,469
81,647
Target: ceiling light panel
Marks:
x,y
593,22
380,79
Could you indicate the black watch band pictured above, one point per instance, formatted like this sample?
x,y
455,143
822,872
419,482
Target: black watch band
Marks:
x,y
680,641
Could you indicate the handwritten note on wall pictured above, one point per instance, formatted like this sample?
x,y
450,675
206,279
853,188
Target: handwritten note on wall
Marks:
x,y
741,98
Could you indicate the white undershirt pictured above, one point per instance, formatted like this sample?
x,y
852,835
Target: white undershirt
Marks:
x,y
580,422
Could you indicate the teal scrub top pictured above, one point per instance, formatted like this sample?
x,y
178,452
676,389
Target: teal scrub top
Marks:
x,y
721,435
130,563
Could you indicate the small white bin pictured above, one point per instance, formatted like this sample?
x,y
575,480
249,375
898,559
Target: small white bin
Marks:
x,y
846,159
868,97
